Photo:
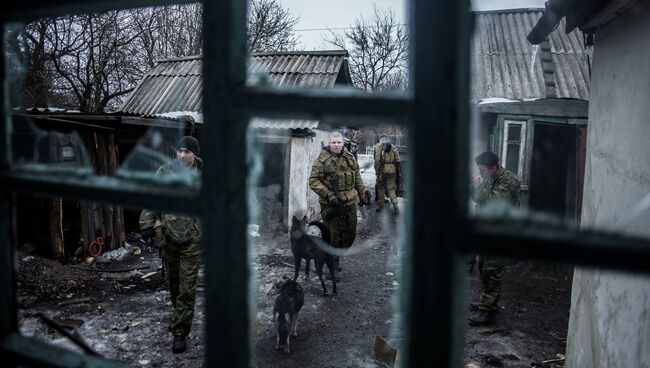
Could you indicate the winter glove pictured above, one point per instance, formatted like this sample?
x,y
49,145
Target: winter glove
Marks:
x,y
367,195
331,198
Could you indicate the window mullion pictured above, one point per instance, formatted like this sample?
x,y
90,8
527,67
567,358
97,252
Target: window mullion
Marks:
x,y
559,244
439,146
7,284
225,216
111,190
314,104
27,10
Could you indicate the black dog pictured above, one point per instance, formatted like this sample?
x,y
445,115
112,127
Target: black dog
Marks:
x,y
287,306
307,246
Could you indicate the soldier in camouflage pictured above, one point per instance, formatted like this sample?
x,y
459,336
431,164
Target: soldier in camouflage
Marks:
x,y
386,162
180,238
494,184
335,177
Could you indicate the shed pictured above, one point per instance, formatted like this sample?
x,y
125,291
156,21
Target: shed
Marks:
x,y
288,146
532,106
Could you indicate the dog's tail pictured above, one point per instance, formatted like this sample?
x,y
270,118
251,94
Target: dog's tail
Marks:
x,y
324,232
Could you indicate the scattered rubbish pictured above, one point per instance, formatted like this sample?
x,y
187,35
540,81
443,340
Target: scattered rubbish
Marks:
x,y
28,258
149,274
550,363
74,301
90,260
384,352
72,336
136,251
68,322
135,324
389,274
492,360
143,362
111,271
253,230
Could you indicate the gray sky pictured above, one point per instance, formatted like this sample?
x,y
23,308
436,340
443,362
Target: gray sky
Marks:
x,y
317,15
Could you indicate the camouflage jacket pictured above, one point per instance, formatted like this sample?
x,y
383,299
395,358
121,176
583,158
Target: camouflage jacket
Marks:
x,y
503,185
178,229
343,166
390,160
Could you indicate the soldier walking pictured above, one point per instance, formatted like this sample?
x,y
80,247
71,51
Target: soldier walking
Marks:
x,y
494,183
386,168
335,177
180,239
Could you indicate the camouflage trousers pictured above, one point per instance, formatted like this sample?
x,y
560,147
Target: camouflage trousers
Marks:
x,y
183,261
388,186
343,228
492,279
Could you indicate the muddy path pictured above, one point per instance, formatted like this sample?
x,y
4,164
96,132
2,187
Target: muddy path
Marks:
x,y
124,315
338,330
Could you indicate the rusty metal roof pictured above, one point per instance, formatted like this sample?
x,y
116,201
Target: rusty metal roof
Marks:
x,y
176,84
505,65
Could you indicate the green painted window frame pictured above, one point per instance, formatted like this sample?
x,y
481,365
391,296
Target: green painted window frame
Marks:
x,y
438,234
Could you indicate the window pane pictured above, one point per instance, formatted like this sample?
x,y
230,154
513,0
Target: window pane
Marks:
x,y
512,158
514,133
315,45
87,108
286,176
87,268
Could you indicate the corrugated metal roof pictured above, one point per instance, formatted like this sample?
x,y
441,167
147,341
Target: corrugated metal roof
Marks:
x,y
505,65
175,84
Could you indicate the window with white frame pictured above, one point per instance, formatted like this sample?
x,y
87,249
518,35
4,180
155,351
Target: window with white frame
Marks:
x,y
512,155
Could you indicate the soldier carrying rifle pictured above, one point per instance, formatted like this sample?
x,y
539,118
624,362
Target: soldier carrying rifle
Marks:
x,y
335,177
387,167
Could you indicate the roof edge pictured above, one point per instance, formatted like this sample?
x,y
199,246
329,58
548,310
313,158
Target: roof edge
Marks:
x,y
516,10
318,52
181,58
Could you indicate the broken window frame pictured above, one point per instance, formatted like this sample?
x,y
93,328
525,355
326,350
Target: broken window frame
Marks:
x,y
438,236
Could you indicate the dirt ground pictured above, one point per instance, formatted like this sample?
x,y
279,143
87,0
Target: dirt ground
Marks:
x,y
125,317
123,313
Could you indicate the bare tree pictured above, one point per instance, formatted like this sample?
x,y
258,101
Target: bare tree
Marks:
x,y
270,27
91,57
168,32
378,50
91,62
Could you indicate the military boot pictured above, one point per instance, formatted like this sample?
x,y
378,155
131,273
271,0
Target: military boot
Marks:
x,y
395,209
482,318
378,209
179,345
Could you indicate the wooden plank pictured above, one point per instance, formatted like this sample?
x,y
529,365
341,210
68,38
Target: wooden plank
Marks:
x,y
565,108
57,248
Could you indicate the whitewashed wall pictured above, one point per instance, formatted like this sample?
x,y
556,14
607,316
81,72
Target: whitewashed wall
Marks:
x,y
609,325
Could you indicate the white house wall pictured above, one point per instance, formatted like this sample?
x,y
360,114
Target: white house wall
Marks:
x,y
609,325
302,200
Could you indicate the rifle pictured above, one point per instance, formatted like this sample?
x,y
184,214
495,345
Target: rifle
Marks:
x,y
380,174
398,178
334,183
